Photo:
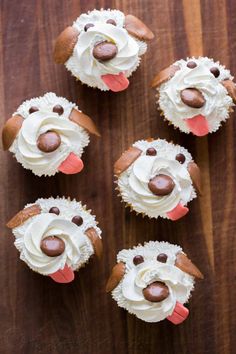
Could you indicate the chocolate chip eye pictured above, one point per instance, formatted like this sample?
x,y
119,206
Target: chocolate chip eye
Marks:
x,y
151,152
33,109
54,210
138,259
162,257
87,26
181,158
112,22
191,64
58,109
215,71
77,220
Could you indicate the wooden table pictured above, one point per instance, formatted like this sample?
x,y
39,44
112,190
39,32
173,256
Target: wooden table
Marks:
x,y
40,316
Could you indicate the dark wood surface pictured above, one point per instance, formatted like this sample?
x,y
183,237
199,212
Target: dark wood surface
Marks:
x,y
40,316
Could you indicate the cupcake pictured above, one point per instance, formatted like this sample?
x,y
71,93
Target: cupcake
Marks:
x,y
56,237
196,95
48,134
157,178
153,281
103,48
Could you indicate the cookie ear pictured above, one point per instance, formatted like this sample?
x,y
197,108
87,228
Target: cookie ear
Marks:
x,y
164,75
117,274
10,130
184,263
137,28
231,88
126,159
195,175
96,241
65,44
23,215
84,121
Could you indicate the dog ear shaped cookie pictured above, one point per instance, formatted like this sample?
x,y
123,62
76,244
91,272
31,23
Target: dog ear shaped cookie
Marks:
x,y
10,130
137,28
65,44
23,215
164,75
118,271
195,175
84,121
96,241
231,88
185,264
126,159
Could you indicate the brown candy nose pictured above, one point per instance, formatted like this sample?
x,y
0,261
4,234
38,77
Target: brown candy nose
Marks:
x,y
192,97
49,141
161,185
104,51
156,292
52,246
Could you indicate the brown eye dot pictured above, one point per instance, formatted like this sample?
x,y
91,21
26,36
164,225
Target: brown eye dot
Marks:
x,y
181,158
112,22
162,257
138,259
86,27
58,109
151,152
191,64
54,210
77,220
33,109
215,71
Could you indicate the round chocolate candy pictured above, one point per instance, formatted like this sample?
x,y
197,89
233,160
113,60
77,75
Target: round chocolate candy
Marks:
x,y
180,157
215,71
58,109
52,246
151,151
78,220
33,109
161,185
87,26
156,292
112,22
138,259
104,51
191,64
49,141
192,97
162,257
54,210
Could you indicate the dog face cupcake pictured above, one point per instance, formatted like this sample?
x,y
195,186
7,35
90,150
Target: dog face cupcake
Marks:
x,y
103,48
196,95
157,178
55,237
48,134
153,281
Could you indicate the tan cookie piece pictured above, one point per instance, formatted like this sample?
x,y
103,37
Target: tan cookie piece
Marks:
x,y
164,75
137,28
23,215
64,45
84,121
96,241
10,130
126,159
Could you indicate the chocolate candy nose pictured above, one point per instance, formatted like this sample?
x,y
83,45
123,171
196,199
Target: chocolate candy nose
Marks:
x,y
49,141
104,51
192,97
52,246
161,185
156,292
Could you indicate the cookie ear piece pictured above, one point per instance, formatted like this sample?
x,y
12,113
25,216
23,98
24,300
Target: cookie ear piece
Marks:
x,y
137,28
164,75
84,121
184,263
231,88
195,175
10,130
65,44
126,159
96,241
118,271
23,215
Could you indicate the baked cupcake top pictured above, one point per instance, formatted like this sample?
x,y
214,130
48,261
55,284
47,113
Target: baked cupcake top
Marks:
x,y
48,134
153,281
55,234
103,48
195,94
157,178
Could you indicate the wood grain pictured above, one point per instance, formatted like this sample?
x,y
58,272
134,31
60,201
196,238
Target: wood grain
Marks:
x,y
39,316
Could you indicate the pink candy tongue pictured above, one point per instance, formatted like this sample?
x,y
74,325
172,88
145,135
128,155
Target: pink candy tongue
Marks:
x,y
71,165
179,315
198,125
178,212
116,83
65,275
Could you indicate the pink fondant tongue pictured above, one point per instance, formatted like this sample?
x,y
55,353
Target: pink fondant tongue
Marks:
x,y
198,125
179,315
65,275
178,212
71,165
116,83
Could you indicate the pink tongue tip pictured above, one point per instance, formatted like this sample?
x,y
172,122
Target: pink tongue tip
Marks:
x,y
71,165
116,83
198,125
65,275
179,314
178,212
